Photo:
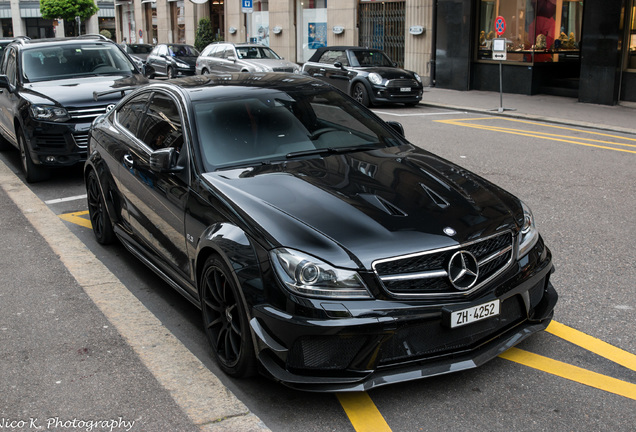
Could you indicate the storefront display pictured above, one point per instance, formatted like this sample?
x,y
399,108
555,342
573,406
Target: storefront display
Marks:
x,y
536,30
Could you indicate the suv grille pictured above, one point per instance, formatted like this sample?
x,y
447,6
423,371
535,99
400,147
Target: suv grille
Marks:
x,y
86,114
425,274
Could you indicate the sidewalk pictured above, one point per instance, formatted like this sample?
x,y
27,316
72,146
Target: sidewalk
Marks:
x,y
555,109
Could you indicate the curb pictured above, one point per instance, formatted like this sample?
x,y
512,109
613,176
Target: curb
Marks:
x,y
196,390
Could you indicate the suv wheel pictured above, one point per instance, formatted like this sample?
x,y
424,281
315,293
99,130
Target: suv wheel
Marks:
x,y
33,173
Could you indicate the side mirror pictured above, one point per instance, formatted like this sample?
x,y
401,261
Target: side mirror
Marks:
x,y
396,126
231,58
4,82
338,65
164,160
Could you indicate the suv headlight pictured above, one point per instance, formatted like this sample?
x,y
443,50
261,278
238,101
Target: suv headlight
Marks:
x,y
417,77
529,234
375,78
307,275
49,113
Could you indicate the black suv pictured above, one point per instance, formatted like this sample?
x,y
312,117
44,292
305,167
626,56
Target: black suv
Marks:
x,y
46,97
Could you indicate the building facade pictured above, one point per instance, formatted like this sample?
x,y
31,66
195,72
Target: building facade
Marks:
x,y
23,18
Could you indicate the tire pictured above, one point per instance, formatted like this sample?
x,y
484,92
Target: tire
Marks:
x,y
225,320
171,73
360,94
205,72
32,173
102,226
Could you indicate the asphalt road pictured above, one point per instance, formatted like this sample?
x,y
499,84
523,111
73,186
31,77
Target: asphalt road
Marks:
x,y
579,376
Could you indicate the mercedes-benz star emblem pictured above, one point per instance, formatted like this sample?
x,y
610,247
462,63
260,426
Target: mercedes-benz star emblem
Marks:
x,y
463,270
110,107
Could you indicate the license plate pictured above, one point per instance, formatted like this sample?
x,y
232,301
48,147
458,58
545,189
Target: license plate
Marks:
x,y
405,89
474,314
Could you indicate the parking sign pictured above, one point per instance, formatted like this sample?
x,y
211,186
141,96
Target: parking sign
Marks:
x,y
247,6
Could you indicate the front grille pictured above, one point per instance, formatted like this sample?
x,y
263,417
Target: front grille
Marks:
x,y
430,339
425,274
284,69
86,114
50,142
324,352
81,139
396,83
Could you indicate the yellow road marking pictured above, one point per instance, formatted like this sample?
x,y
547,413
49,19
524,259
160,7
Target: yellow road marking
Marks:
x,y
570,372
547,136
362,412
593,344
77,219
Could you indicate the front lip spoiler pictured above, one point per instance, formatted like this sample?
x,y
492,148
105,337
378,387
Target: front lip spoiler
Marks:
x,y
366,380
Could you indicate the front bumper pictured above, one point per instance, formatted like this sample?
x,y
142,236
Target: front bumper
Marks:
x,y
383,342
57,144
382,94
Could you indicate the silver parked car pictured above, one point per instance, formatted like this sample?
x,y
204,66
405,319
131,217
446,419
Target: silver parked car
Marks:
x,y
228,57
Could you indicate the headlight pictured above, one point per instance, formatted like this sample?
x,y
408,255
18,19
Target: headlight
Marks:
x,y
181,64
417,77
49,113
528,235
375,78
306,275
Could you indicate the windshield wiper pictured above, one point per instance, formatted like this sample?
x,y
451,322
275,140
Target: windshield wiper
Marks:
x,y
331,151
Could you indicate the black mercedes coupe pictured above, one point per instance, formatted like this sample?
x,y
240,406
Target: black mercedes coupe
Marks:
x,y
324,249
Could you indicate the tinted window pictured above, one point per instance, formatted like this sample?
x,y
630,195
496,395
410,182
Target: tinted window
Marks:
x,y
334,56
70,61
10,68
161,124
370,58
256,53
269,125
128,115
182,51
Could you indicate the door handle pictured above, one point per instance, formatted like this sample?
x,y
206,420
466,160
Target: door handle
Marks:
x,y
128,161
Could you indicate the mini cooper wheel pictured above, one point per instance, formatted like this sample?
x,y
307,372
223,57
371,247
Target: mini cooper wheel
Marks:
x,y
225,320
360,94
32,173
102,227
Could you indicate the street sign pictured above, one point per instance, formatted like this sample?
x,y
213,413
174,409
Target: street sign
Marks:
x,y
500,25
499,50
247,6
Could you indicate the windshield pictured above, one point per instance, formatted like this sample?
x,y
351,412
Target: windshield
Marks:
x,y
267,125
256,53
366,58
72,61
182,51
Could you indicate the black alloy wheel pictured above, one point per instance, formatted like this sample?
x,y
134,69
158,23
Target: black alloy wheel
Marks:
x,y
360,94
225,320
32,173
102,226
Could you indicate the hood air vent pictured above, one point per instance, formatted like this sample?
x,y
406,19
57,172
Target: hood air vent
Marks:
x,y
383,204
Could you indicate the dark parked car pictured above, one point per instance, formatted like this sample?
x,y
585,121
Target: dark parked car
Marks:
x,y
46,97
171,60
226,57
139,53
368,75
322,246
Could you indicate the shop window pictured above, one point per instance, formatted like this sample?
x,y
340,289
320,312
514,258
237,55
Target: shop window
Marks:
x,y
177,12
312,31
631,41
258,30
536,30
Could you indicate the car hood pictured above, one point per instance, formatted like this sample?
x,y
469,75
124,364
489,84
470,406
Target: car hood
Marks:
x,y
77,92
271,63
352,209
191,61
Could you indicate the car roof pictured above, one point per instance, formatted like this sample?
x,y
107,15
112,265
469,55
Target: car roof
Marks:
x,y
320,51
202,87
61,41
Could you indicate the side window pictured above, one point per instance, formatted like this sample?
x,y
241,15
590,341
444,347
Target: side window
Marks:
x,y
163,50
331,57
10,67
155,51
161,126
130,114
